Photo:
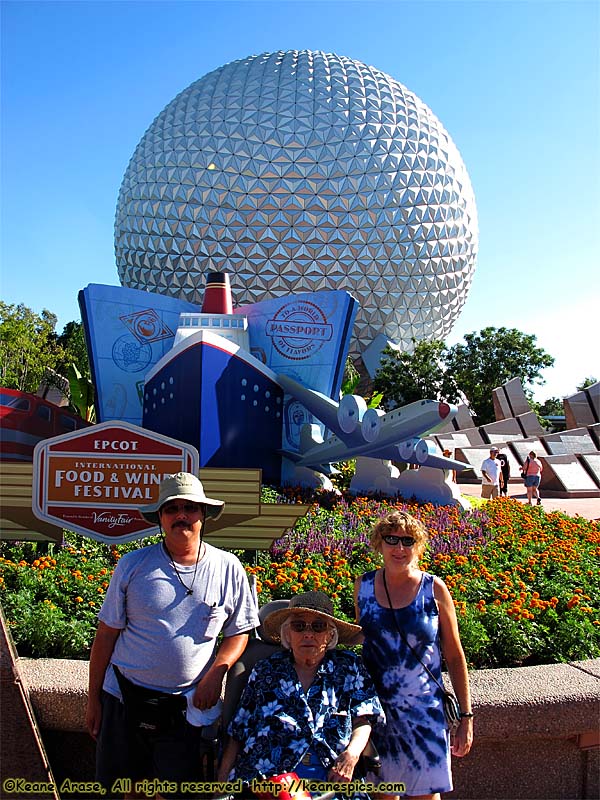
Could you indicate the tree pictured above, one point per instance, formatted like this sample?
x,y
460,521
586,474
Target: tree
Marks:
x,y
72,342
31,351
422,374
585,383
490,358
351,377
552,407
28,346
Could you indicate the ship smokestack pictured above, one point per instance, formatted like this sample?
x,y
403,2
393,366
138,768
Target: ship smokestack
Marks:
x,y
217,294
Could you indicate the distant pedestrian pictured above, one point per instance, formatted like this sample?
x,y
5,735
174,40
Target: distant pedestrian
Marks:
x,y
491,472
505,467
532,475
448,454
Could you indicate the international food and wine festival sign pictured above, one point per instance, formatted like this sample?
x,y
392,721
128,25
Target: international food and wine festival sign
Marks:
x,y
93,481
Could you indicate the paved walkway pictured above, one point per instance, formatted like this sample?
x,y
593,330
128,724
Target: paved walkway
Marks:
x,y
588,507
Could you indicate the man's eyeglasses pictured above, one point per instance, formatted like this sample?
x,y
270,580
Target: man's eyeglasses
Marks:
x,y
405,541
318,626
176,508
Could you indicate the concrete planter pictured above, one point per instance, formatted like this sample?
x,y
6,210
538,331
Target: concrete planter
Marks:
x,y
536,728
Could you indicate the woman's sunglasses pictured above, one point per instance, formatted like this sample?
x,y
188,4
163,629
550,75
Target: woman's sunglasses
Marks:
x,y
318,626
405,541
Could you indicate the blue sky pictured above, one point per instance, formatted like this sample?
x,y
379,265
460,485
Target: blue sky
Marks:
x,y
516,84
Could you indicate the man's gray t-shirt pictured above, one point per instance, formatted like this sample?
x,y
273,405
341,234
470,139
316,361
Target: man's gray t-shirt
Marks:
x,y
168,638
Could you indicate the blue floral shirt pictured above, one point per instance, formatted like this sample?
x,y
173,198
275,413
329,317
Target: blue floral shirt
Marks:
x,y
277,723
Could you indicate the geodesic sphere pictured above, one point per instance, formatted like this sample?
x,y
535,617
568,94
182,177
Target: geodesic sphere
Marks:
x,y
299,171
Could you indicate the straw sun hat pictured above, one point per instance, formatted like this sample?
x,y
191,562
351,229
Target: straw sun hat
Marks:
x,y
316,603
182,486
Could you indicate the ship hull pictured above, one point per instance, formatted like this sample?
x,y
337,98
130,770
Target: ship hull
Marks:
x,y
213,395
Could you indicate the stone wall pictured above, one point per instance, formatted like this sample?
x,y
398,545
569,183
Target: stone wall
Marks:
x,y
536,729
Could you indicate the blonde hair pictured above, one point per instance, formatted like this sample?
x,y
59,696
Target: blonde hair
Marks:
x,y
404,524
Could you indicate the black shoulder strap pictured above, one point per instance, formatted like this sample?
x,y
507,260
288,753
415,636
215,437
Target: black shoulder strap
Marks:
x,y
403,637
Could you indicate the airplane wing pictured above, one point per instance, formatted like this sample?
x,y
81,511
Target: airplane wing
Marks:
x,y
422,456
342,419
321,406
441,462
391,453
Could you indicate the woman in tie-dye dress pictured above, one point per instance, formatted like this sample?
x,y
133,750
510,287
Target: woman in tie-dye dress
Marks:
x,y
414,745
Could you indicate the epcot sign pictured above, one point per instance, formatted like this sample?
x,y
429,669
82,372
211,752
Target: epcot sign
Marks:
x,y
94,481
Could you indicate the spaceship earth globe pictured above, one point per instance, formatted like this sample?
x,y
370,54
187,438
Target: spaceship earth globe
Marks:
x,y
300,171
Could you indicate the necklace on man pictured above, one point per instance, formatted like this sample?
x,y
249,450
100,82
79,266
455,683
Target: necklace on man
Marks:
x,y
188,589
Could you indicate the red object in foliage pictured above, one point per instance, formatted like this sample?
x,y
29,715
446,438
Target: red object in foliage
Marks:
x,y
290,788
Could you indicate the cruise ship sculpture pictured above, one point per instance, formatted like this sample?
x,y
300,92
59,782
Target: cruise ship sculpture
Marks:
x,y
249,387
210,391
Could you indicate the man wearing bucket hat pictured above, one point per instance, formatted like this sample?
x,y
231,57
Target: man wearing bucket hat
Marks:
x,y
315,702
155,671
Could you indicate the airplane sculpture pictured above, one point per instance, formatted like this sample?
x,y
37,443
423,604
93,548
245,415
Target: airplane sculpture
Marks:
x,y
361,431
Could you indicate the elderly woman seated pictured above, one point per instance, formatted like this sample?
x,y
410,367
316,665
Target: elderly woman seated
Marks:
x,y
307,709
